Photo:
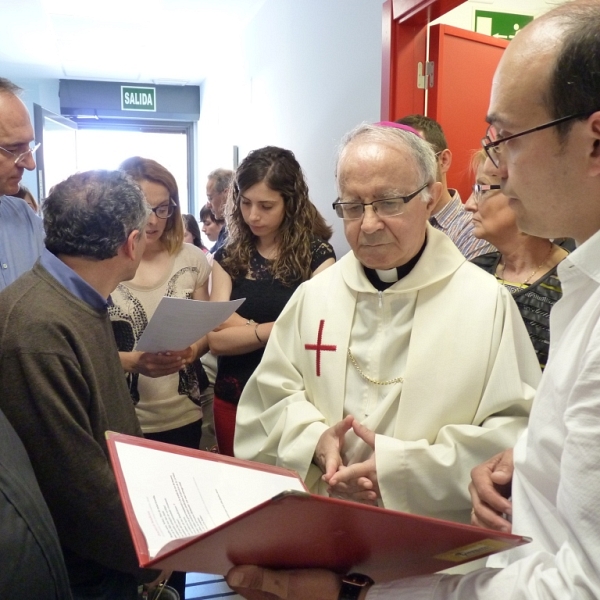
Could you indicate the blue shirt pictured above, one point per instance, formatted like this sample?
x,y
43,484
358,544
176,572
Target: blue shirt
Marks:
x,y
220,240
72,281
21,239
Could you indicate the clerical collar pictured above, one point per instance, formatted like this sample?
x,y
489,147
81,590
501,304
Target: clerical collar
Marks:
x,y
383,279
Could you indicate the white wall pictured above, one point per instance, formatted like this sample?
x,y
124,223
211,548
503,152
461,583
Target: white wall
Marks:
x,y
45,93
304,74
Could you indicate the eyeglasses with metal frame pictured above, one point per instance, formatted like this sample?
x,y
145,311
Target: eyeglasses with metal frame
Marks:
x,y
482,190
164,211
20,157
491,142
386,207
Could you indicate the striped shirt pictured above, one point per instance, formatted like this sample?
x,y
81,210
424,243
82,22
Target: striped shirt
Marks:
x,y
456,223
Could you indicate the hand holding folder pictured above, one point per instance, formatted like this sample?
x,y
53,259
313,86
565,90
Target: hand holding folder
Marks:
x,y
190,510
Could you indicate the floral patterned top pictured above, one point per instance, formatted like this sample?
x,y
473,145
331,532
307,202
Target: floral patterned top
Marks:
x,y
162,403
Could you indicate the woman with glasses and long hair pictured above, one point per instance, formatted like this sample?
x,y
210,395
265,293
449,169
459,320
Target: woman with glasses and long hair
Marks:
x,y
165,387
271,249
524,264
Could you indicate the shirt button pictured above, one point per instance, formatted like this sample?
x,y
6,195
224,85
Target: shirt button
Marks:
x,y
4,266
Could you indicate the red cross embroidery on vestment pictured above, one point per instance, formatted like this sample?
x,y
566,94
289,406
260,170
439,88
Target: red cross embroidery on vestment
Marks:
x,y
319,347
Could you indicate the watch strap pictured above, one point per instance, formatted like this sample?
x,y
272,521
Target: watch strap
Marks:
x,y
352,586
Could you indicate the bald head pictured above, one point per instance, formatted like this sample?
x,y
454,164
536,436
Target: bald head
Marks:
x,y
16,134
551,171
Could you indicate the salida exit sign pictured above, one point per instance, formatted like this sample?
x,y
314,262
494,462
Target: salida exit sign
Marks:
x,y
138,98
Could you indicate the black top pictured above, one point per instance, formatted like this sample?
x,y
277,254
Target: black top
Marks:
x,y
534,303
265,297
32,561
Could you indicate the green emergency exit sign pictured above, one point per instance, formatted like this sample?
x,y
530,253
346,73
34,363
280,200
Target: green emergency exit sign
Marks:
x,y
500,24
138,98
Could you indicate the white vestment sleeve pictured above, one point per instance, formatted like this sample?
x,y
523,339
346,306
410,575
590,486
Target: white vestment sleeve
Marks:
x,y
410,472
276,423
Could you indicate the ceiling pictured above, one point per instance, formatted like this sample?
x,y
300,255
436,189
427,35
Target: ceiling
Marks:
x,y
159,41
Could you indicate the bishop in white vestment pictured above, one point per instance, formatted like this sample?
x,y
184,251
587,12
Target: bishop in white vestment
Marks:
x,y
438,363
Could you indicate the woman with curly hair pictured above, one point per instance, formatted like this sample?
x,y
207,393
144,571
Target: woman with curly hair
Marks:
x,y
270,250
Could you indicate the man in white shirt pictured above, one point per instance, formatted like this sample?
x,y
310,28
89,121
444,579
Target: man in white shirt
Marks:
x,y
544,137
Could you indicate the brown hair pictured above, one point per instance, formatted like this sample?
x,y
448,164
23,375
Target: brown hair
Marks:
x,y
478,157
141,169
280,171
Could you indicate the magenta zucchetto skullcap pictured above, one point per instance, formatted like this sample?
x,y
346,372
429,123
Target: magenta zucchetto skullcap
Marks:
x,y
398,126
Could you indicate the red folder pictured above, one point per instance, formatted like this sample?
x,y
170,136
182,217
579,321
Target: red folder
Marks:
x,y
301,530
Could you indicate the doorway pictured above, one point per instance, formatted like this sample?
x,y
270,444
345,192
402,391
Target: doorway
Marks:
x,y
71,145
107,146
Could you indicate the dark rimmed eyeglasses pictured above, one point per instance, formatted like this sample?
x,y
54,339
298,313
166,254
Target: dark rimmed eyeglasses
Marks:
x,y
164,211
386,207
491,142
481,190
21,156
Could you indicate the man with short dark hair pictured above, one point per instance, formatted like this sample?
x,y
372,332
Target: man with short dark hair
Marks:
x,y
544,138
217,188
21,231
448,214
61,381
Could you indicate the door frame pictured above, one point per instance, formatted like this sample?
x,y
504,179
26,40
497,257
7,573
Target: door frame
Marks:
x,y
40,114
404,45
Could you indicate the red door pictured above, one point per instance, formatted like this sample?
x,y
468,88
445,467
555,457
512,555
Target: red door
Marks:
x,y
464,64
464,67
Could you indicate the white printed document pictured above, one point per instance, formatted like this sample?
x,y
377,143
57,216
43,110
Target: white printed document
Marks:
x,y
179,322
175,496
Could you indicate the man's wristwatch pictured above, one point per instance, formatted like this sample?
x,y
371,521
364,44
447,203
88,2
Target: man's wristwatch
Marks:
x,y
353,585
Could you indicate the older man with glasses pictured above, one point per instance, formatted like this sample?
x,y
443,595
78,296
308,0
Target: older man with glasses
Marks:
x,y
21,231
217,189
390,375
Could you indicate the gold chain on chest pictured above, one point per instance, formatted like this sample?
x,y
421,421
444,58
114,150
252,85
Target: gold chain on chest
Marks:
x,y
370,379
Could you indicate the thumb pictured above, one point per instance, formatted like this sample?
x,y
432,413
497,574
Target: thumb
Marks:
x,y
501,475
503,471
342,427
245,577
364,433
